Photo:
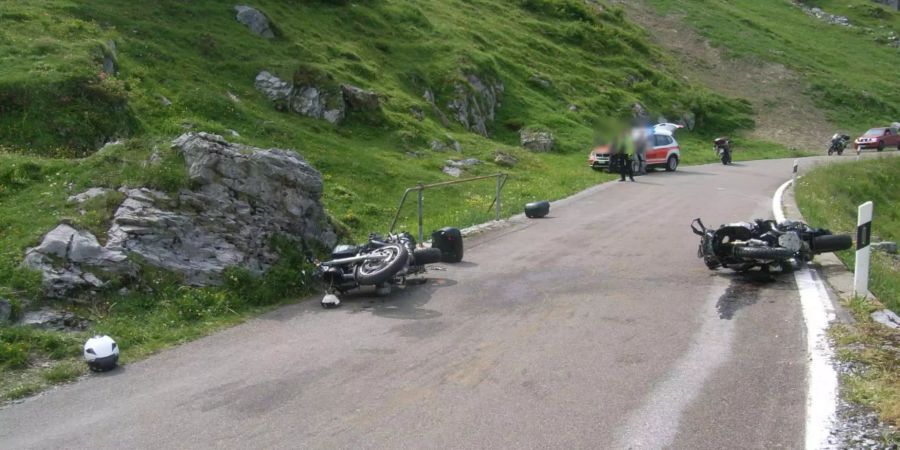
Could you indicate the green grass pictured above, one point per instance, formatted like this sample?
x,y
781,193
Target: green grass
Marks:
x,y
849,72
872,347
829,197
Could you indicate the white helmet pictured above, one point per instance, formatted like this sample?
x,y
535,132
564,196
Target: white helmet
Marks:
x,y
101,353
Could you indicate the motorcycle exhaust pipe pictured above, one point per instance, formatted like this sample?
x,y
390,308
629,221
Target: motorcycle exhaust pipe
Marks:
x,y
353,259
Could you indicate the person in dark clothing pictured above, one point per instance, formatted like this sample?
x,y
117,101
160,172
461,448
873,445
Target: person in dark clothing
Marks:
x,y
622,159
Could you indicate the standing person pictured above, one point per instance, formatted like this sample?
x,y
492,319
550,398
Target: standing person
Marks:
x,y
620,153
640,138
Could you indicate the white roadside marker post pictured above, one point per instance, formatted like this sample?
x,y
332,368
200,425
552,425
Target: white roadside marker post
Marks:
x,y
863,251
794,176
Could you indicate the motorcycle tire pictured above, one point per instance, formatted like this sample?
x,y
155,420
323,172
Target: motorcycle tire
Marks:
x,y
776,253
381,271
830,151
831,243
840,152
422,256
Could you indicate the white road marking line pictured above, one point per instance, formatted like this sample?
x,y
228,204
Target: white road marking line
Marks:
x,y
655,424
821,378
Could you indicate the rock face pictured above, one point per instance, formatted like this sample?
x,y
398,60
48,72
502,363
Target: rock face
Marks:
x,y
275,88
255,20
50,319
359,99
475,103
242,197
537,141
455,167
318,101
89,194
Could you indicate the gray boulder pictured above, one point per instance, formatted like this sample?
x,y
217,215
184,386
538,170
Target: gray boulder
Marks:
x,y
452,171
110,59
537,141
464,162
51,319
89,194
255,20
359,99
67,259
887,318
475,103
886,247
505,160
241,198
275,88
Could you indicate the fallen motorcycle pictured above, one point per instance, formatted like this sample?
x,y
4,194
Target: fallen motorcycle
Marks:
x,y
380,262
838,144
723,149
764,244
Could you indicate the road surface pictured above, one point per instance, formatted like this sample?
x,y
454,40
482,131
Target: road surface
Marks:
x,y
596,327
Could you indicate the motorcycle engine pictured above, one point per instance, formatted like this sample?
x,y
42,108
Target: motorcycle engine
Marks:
x,y
791,241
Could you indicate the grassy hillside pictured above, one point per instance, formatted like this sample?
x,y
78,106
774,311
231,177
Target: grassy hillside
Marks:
x,y
59,103
834,206
851,72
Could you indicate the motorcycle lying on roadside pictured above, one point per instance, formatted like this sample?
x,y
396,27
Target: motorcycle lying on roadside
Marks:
x,y
381,262
723,149
838,144
764,244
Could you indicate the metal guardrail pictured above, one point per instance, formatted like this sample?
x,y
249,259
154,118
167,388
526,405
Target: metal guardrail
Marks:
x,y
501,181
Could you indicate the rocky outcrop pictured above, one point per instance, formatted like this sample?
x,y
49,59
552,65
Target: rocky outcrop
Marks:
x,y
312,94
51,319
537,141
273,87
255,20
455,167
429,97
241,198
505,160
358,99
475,103
89,194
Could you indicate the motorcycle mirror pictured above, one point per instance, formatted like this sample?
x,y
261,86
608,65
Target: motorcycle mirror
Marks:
x,y
701,230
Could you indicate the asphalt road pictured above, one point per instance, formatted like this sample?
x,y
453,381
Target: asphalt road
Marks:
x,y
596,327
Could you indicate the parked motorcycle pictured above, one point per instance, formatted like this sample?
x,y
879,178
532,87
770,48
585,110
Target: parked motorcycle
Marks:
x,y
380,262
764,244
723,149
838,144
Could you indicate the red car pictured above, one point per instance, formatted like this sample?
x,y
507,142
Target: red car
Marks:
x,y
663,150
878,138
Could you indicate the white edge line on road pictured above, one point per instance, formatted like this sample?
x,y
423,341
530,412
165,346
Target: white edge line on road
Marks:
x,y
822,380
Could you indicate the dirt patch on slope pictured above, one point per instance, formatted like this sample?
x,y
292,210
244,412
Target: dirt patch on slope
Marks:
x,y
783,113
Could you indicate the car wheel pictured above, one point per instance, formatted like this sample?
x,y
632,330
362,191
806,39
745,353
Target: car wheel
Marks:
x,y
881,146
671,163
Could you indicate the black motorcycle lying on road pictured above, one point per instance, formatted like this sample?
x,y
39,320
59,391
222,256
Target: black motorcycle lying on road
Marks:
x,y
723,149
380,262
764,244
838,144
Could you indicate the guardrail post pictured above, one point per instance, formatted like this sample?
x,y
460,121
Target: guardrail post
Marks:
x,y
863,250
421,212
794,175
499,187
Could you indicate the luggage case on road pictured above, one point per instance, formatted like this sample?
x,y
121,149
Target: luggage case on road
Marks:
x,y
537,209
449,240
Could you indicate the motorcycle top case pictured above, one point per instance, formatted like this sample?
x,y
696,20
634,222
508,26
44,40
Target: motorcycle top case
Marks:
x,y
537,209
449,240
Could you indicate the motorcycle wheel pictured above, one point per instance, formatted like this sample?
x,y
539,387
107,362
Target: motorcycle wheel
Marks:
x,y
830,151
423,256
380,271
831,243
763,252
840,152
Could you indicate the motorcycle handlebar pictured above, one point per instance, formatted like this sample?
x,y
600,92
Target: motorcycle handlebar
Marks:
x,y
698,232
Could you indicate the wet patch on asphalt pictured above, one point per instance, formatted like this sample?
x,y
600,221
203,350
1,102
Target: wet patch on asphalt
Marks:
x,y
744,290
